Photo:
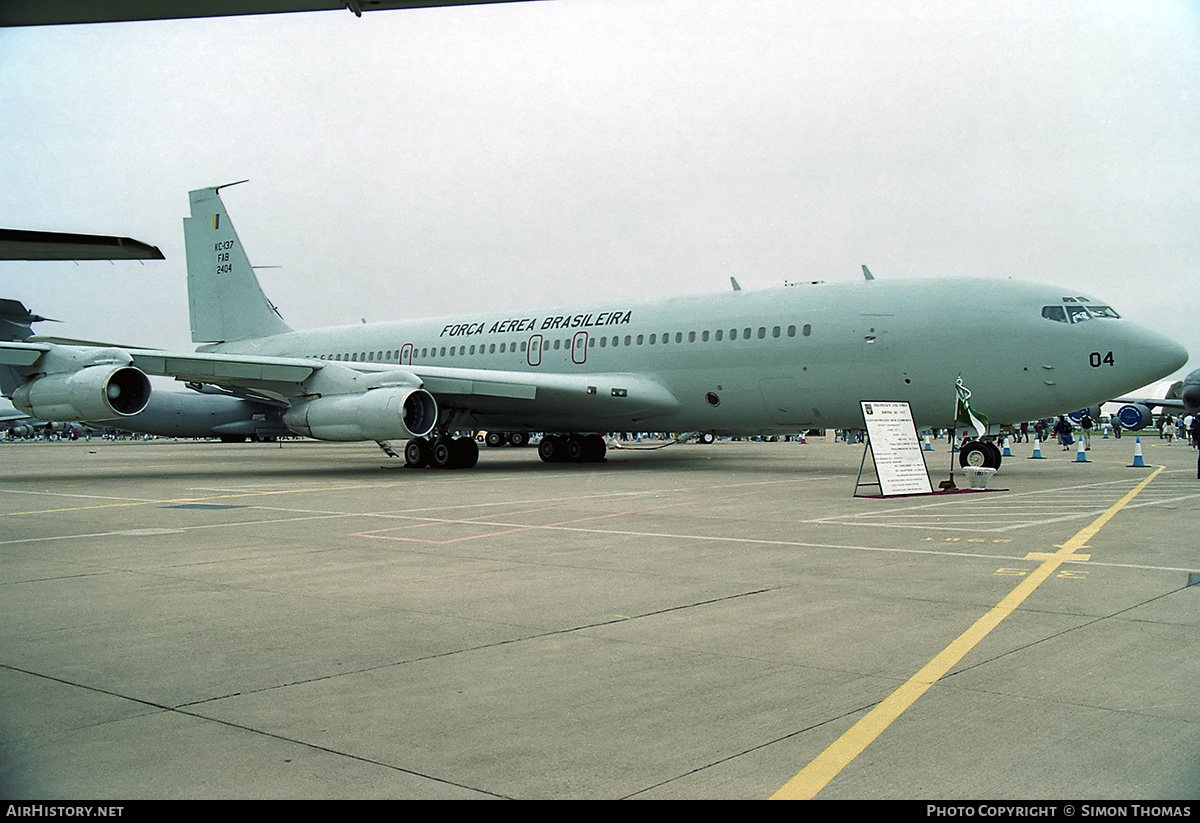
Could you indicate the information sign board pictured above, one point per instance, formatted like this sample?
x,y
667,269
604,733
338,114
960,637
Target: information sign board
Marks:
x,y
895,449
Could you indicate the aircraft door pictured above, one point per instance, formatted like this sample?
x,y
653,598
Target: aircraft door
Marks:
x,y
533,352
579,344
406,354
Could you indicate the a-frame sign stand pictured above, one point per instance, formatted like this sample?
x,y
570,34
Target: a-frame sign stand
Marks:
x,y
858,482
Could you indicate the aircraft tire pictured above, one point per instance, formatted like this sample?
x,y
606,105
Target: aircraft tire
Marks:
x,y
416,453
464,453
979,454
594,448
997,455
576,449
495,440
518,439
552,449
706,438
441,456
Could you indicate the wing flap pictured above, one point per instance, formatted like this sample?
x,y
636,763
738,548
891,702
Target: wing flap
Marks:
x,y
21,355
475,387
535,395
221,369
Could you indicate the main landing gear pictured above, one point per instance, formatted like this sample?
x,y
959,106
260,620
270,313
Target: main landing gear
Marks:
x,y
441,453
495,440
572,448
463,452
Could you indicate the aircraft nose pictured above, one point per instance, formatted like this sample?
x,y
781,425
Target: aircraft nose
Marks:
x,y
1191,391
1159,353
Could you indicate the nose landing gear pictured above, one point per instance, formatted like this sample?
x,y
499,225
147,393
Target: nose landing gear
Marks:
x,y
980,454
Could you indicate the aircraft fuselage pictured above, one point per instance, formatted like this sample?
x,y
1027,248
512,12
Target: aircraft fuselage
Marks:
x,y
774,361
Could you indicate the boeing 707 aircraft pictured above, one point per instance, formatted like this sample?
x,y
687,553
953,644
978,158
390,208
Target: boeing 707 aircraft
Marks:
x,y
744,362
1181,396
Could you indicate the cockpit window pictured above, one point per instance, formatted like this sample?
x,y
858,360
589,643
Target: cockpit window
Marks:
x,y
1075,313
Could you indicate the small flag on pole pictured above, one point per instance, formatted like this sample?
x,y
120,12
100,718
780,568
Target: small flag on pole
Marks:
x,y
965,414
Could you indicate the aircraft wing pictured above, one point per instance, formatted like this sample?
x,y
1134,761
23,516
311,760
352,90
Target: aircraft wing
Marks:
x,y
481,390
515,396
20,355
279,377
64,12
20,244
1153,402
284,377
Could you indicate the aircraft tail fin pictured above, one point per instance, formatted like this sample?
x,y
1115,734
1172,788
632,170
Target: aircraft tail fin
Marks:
x,y
225,300
16,321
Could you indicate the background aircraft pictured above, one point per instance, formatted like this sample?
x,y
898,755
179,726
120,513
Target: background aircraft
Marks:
x,y
63,12
203,412
16,421
1180,396
736,363
170,414
20,244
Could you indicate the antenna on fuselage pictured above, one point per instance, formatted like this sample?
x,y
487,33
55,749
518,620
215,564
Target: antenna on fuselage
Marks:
x,y
867,272
734,281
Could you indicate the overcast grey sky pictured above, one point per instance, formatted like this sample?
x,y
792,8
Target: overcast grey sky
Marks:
x,y
439,161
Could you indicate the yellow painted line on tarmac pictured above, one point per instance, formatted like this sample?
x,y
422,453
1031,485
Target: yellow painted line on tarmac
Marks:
x,y
817,774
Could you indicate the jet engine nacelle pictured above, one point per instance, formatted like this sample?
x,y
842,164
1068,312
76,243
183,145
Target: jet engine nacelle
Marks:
x,y
379,414
1135,416
98,392
1091,411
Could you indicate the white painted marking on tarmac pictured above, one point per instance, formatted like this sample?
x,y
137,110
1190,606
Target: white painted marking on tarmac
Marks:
x,y
82,496
1023,510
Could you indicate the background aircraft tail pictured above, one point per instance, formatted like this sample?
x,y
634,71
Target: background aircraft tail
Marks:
x,y
16,324
225,300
